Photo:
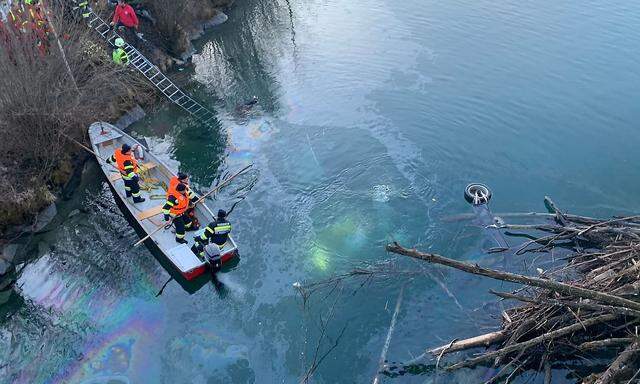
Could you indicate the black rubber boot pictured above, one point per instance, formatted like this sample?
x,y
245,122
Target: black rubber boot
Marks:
x,y
127,194
138,199
181,241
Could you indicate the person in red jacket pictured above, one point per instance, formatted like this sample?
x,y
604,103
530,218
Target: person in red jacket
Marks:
x,y
124,16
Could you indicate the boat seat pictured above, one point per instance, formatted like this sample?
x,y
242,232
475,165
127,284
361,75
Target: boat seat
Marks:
x,y
117,176
149,213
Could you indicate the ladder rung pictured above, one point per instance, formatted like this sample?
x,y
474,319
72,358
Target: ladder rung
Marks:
x,y
152,77
171,95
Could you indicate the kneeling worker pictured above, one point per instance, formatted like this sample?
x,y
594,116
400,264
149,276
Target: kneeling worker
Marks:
x,y
128,167
176,208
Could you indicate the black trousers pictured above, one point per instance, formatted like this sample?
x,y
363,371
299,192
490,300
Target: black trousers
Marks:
x,y
131,187
181,222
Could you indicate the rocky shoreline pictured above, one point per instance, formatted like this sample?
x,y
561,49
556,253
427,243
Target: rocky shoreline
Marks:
x,y
45,201
12,250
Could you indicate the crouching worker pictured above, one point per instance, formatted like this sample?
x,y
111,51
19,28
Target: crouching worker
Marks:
x,y
176,208
119,55
217,231
128,167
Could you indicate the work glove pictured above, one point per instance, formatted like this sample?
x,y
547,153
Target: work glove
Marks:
x,y
167,217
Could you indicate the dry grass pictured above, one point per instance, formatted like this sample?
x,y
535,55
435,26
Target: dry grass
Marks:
x,y
40,105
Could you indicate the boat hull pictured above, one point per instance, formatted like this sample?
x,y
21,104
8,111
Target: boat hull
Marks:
x,y
147,218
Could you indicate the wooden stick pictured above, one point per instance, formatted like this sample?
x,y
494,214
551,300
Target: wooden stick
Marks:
x,y
515,278
459,345
619,364
201,199
536,340
606,343
547,372
570,304
387,342
607,222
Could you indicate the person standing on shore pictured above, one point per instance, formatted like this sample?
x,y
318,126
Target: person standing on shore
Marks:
x,y
124,16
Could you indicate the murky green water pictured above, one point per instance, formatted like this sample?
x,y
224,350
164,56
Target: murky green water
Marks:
x,y
372,117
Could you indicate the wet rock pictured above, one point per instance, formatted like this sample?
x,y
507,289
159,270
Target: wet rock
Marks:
x,y
9,252
45,217
133,115
43,248
5,268
218,19
6,281
73,213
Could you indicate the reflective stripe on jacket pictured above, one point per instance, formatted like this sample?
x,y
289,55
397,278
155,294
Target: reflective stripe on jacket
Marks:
x,y
127,164
120,57
176,204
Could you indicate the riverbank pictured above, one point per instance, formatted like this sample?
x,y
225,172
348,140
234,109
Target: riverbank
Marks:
x,y
168,30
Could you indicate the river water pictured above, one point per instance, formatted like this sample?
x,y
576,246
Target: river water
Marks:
x,y
372,118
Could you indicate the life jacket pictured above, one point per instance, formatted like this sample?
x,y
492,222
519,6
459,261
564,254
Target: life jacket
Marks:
x,y
121,158
181,205
173,183
120,57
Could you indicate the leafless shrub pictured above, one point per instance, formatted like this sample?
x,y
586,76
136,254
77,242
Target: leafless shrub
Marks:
x,y
40,105
174,18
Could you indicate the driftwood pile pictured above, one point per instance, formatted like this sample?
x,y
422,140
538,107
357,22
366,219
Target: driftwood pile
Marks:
x,y
587,306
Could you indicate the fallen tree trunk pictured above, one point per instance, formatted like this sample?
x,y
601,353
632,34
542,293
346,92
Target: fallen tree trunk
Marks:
x,y
606,343
515,278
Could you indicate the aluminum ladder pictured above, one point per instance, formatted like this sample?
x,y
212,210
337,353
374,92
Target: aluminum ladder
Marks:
x,y
150,71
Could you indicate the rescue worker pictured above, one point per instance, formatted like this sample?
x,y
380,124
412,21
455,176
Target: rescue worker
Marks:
x,y
217,231
176,208
128,167
119,56
184,179
85,9
124,16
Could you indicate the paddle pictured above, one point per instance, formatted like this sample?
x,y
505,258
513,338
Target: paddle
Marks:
x,y
95,154
201,199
